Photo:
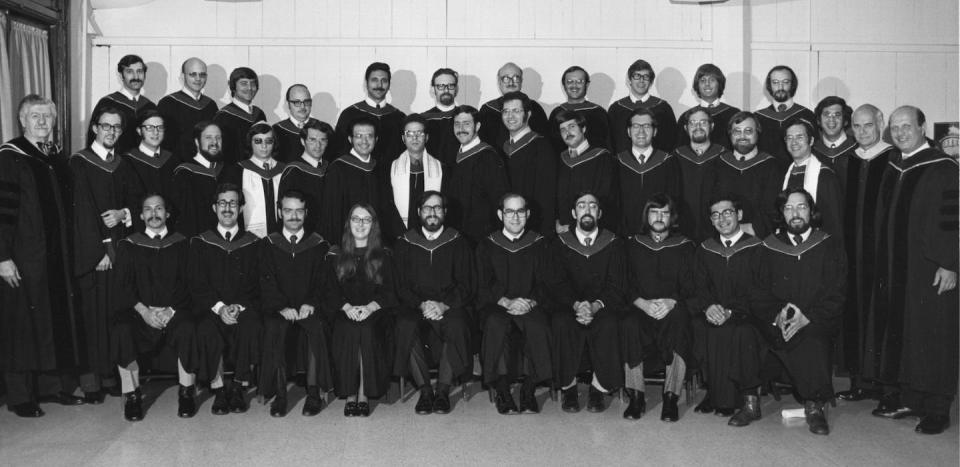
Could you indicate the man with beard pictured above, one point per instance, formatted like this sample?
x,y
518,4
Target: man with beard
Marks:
x,y
105,192
833,147
441,138
864,171
817,178
235,118
514,281
493,130
436,284
575,82
657,327
374,108
153,309
640,76
196,180
352,179
131,71
259,176
299,105
708,86
800,284
781,84
916,301
413,173
291,289
38,332
531,163
722,274
750,174
185,108
698,160
308,173
153,165
590,300
475,180
643,170
582,167
225,290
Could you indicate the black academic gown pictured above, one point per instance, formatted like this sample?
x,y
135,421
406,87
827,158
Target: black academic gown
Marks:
x,y
156,176
289,148
598,125
756,182
532,170
836,158
474,184
131,112
721,114
309,180
194,189
442,143
667,130
180,113
349,181
660,173
594,170
698,177
495,133
226,271
389,121
234,123
829,199
773,129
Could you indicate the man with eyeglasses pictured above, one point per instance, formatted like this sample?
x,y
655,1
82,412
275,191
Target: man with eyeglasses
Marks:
x,y
834,147
105,193
259,177
813,175
575,81
185,108
582,166
436,284
492,128
750,174
476,179
640,76
442,142
131,71
590,296
799,289
722,278
530,161
236,118
781,85
299,105
515,273
642,170
416,171
308,173
225,289
375,108
708,85
152,164
195,181
351,179
697,159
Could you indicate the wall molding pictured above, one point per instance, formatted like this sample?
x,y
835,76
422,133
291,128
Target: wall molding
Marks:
x,y
402,42
854,47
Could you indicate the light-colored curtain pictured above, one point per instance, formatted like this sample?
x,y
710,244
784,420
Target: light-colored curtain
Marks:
x,y
29,60
9,127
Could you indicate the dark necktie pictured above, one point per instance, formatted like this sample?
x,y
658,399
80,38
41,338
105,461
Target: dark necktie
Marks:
x,y
156,237
782,108
587,241
293,239
110,157
269,201
833,145
728,243
641,159
573,153
47,148
227,236
798,239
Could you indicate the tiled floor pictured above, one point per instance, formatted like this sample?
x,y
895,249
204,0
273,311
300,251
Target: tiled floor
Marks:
x,y
474,434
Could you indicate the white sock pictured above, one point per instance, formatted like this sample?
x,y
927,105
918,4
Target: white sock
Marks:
x,y
217,381
129,377
596,383
572,384
186,379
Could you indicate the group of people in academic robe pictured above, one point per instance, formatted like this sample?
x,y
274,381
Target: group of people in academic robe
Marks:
x,y
588,247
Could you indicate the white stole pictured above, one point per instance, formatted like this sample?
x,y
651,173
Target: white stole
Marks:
x,y
400,180
811,176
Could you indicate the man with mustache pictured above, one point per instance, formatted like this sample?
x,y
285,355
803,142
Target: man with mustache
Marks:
x,y
236,118
781,85
353,178
833,147
814,176
195,181
657,326
800,282
530,160
152,164
442,142
492,127
225,291
105,193
375,108
475,180
185,108
153,308
575,81
291,289
916,292
299,105
708,85
308,173
750,174
435,266
697,159
131,71
640,76
590,298
582,167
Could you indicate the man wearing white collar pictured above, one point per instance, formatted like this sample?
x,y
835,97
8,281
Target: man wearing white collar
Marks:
x,y
299,106
131,71
530,161
442,142
416,171
640,76
235,118
152,164
781,85
195,181
185,108
374,106
809,173
698,169
753,176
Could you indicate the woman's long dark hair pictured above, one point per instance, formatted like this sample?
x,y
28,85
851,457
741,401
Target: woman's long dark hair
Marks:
x,y
372,258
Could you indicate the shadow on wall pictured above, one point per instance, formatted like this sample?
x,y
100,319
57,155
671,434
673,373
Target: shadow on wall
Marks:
x,y
670,86
325,108
533,85
155,85
830,86
469,91
403,90
269,96
601,89
754,84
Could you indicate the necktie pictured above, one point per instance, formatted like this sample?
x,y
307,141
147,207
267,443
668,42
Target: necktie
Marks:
x,y
797,239
782,108
741,158
269,201
156,237
293,239
227,236
46,148
110,157
587,241
833,146
728,243
573,153
157,155
641,159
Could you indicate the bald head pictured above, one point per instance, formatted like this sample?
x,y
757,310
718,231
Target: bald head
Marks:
x,y
907,128
867,125
194,74
509,78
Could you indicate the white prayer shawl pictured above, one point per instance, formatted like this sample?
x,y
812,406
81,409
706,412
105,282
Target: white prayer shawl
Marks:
x,y
400,180
811,176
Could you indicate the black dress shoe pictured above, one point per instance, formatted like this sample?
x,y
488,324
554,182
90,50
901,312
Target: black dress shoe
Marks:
x,y
747,414
724,411
61,398
857,394
221,402
27,410
441,403
313,403
670,412
186,402
705,406
237,398
595,401
933,424
528,400
94,397
425,403
113,391
636,404
504,403
897,413
133,406
816,418
363,409
571,400
888,402
350,409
